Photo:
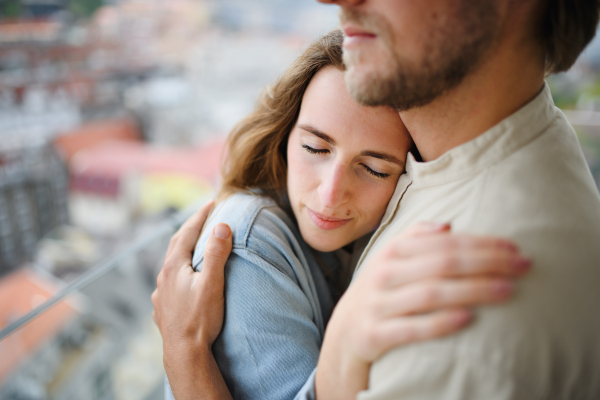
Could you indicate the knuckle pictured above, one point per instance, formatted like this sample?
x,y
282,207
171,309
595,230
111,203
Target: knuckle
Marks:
x,y
498,245
502,261
478,291
437,326
449,245
216,252
372,338
447,264
391,249
165,272
429,295
408,334
167,264
173,240
383,276
375,306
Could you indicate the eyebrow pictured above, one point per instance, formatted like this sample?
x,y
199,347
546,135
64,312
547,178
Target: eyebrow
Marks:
x,y
367,153
382,156
318,133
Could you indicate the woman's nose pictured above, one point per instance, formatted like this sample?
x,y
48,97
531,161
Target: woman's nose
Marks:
x,y
334,189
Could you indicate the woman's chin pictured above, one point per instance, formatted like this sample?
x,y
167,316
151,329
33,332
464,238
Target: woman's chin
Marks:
x,y
324,244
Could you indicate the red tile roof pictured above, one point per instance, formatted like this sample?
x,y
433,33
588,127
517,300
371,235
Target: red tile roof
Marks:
x,y
20,292
95,133
115,159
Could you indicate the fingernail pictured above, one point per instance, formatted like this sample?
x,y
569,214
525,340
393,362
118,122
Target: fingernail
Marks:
x,y
503,288
437,226
221,231
521,264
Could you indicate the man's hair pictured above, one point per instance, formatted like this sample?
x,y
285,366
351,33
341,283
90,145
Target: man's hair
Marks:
x,y
257,146
567,28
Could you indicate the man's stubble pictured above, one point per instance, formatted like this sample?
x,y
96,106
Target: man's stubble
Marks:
x,y
452,50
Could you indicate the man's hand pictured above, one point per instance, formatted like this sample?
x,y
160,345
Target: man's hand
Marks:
x,y
419,287
189,308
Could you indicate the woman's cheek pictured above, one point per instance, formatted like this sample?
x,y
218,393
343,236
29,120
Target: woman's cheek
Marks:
x,y
376,198
300,174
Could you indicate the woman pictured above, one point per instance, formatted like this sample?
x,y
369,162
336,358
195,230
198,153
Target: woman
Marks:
x,y
308,175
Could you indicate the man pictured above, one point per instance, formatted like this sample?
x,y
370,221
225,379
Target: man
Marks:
x,y
496,159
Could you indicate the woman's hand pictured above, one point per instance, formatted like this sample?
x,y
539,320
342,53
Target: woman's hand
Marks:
x,y
418,287
189,309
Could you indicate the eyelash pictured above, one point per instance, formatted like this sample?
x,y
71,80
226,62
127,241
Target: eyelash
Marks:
x,y
314,151
376,174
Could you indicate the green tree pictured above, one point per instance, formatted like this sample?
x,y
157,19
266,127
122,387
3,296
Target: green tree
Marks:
x,y
83,8
10,8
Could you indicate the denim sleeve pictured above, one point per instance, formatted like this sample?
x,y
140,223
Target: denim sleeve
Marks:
x,y
269,345
308,390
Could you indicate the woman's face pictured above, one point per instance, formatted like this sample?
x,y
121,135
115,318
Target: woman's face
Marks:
x,y
344,161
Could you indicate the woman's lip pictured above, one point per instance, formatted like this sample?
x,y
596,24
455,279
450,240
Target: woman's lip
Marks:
x,y
325,222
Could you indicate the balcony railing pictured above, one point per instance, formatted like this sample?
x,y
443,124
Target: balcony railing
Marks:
x,y
94,338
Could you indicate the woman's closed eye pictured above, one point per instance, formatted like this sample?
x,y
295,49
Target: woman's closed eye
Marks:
x,y
313,150
376,174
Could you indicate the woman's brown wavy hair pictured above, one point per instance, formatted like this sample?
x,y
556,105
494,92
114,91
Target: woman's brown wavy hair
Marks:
x,y
256,148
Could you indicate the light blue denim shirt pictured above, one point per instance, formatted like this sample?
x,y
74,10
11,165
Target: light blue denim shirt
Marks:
x,y
277,302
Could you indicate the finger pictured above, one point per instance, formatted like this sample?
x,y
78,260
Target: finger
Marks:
x,y
216,253
426,228
410,246
496,261
182,244
401,331
190,230
426,296
172,243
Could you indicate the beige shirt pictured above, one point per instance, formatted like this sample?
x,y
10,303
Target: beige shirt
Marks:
x,y
524,179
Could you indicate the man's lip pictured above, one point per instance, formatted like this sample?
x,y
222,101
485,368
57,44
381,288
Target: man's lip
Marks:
x,y
351,31
326,222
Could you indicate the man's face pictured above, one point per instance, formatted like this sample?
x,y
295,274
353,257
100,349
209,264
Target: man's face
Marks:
x,y
405,53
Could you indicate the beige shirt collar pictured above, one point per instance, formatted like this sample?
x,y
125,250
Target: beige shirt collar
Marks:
x,y
489,148
472,157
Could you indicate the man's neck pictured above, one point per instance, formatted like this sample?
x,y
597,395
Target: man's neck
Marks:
x,y
507,80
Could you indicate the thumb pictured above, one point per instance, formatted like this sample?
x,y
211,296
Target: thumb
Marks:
x,y
217,251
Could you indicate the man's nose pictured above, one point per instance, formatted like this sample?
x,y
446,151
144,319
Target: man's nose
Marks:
x,y
343,3
334,189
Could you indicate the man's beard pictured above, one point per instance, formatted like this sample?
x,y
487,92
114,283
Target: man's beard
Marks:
x,y
452,52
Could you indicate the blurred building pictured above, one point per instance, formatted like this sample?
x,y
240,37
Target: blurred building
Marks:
x,y
115,184
33,201
70,351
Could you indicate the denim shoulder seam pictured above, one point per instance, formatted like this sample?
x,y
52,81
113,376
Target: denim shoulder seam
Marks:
x,y
251,224
270,262
244,245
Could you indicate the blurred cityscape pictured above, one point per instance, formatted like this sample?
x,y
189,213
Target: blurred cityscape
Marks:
x,y
112,118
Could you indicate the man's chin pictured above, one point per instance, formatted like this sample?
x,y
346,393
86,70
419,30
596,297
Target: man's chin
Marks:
x,y
365,86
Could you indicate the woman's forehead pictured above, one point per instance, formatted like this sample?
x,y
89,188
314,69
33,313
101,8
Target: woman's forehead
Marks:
x,y
328,106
